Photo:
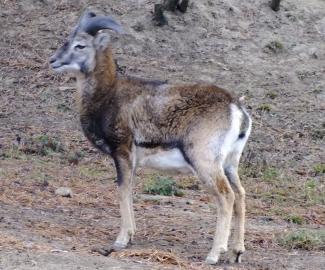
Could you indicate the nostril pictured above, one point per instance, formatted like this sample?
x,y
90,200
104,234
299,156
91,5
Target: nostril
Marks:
x,y
52,60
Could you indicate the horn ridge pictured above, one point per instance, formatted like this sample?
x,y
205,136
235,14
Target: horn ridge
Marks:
x,y
94,24
81,22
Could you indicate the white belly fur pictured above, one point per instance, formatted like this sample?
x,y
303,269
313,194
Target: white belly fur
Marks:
x,y
171,160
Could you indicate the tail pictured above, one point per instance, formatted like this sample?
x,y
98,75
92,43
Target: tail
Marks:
x,y
246,124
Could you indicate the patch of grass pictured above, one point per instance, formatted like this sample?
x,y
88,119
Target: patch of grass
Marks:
x,y
318,134
187,183
275,195
296,219
272,187
278,211
303,239
90,172
274,46
265,107
304,74
270,174
251,170
287,214
162,186
3,173
319,169
311,184
272,95
75,157
291,17
37,175
317,91
313,192
63,108
43,145
12,153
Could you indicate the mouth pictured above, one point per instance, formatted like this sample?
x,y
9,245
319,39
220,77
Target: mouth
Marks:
x,y
64,67
56,65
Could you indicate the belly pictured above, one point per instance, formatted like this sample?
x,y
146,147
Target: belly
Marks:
x,y
171,160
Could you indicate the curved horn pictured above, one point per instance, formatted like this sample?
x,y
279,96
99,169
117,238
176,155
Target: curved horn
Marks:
x,y
85,17
94,24
82,21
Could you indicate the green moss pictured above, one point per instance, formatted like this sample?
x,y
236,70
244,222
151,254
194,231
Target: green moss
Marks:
x,y
318,134
75,157
274,46
43,145
188,183
270,174
265,107
303,239
317,91
162,186
63,108
92,172
12,153
272,95
319,169
313,192
296,219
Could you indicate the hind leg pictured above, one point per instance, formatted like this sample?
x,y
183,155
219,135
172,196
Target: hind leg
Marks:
x,y
239,215
225,200
231,171
211,174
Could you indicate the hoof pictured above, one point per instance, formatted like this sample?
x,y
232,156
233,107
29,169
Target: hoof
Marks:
x,y
211,260
107,250
236,256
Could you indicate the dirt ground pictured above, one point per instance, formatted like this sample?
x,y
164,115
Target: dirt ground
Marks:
x,y
275,59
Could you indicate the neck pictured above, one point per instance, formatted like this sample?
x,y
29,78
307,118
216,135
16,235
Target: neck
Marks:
x,y
96,91
105,70
97,86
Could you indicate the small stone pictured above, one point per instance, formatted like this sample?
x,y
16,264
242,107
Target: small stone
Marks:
x,y
64,192
56,250
139,27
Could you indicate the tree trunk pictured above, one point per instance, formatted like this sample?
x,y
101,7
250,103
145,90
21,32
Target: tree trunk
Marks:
x,y
275,5
170,5
182,7
159,16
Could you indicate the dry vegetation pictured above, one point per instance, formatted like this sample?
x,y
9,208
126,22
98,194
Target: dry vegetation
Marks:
x,y
275,59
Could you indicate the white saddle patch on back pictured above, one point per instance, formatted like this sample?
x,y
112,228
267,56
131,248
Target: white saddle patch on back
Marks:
x,y
171,160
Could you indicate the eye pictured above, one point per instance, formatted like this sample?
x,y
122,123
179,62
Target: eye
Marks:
x,y
79,47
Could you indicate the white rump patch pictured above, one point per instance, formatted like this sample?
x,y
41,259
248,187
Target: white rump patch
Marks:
x,y
240,143
171,160
232,135
223,145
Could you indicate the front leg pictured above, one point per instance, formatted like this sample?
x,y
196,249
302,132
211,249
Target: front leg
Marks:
x,y
125,168
125,172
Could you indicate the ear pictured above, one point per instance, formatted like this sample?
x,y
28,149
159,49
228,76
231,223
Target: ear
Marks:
x,y
102,41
